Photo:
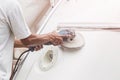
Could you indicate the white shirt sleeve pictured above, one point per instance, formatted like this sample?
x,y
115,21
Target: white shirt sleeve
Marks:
x,y
17,22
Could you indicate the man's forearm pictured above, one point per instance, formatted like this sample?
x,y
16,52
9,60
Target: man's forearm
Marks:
x,y
18,44
34,40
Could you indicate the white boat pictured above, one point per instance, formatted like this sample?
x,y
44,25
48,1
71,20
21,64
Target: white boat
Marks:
x,y
98,59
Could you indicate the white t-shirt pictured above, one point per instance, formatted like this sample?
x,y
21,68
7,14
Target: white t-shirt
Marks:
x,y
12,24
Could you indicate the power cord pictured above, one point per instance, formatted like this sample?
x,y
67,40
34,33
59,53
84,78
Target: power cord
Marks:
x,y
19,62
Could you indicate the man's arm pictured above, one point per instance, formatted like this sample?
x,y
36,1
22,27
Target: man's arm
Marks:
x,y
18,44
34,40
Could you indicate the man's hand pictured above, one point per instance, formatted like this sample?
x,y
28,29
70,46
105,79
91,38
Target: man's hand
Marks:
x,y
38,47
55,38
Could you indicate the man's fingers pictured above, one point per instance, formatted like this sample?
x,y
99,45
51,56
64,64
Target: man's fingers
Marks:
x,y
38,47
58,41
55,38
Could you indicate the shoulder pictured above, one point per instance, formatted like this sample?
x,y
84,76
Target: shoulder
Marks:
x,y
9,7
9,4
13,3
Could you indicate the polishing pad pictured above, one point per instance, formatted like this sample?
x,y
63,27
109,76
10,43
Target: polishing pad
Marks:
x,y
76,43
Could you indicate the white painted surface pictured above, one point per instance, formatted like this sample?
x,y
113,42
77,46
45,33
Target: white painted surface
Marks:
x,y
99,59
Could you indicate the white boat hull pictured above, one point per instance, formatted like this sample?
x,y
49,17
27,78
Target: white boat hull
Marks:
x,y
99,59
